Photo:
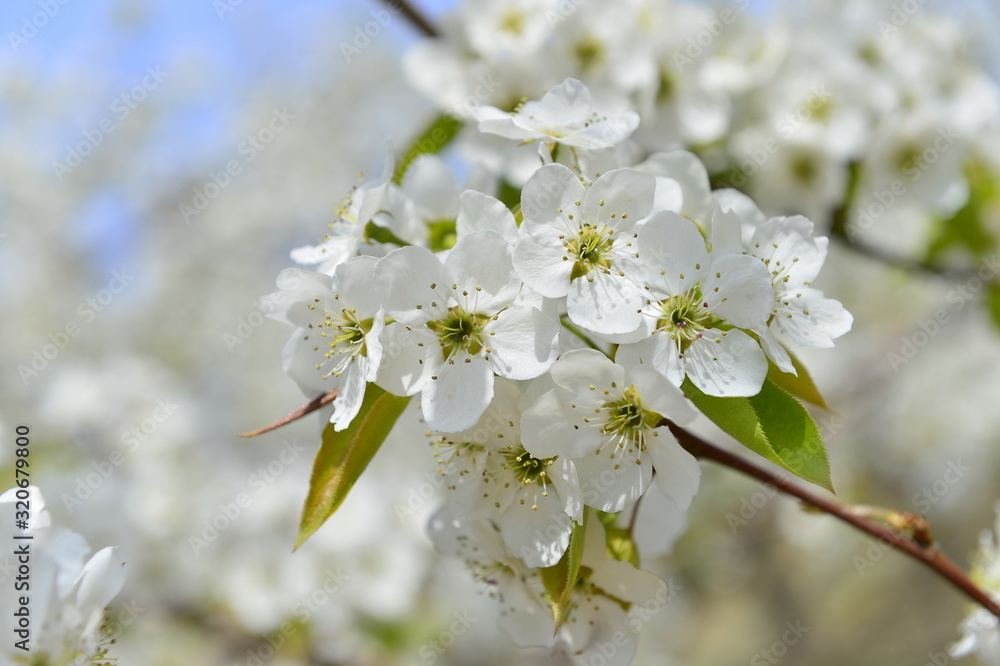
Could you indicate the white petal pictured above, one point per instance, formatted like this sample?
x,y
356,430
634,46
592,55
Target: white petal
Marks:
x,y
583,367
827,318
460,394
659,523
734,366
605,303
658,352
677,472
547,428
550,188
540,536
350,394
523,341
745,295
480,264
522,618
659,395
352,282
478,211
542,262
402,371
101,580
672,253
626,193
789,245
610,489
403,280
776,351
562,473
566,104
688,171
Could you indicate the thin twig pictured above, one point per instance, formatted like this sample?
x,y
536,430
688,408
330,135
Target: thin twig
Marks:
x,y
930,556
415,17
296,414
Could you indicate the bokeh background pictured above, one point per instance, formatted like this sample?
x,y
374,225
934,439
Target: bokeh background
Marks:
x,y
170,358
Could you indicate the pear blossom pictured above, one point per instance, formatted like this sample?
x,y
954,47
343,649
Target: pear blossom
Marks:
x,y
524,615
794,257
695,306
456,323
565,115
578,243
347,232
597,626
531,500
608,420
336,343
981,629
68,591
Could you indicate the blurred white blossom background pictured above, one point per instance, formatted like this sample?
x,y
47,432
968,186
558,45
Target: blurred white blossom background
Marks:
x,y
160,160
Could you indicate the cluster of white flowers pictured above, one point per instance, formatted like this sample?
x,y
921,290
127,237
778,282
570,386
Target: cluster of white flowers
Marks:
x,y
67,592
790,110
548,340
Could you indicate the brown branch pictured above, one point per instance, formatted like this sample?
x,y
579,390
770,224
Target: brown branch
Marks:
x,y
415,16
296,414
931,556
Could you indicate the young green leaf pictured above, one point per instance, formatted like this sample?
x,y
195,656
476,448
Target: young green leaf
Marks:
x,y
801,386
344,455
560,578
438,134
772,424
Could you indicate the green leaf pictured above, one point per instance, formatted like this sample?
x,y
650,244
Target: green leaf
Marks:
x,y
438,134
560,579
968,229
772,424
801,387
344,455
441,234
620,544
374,232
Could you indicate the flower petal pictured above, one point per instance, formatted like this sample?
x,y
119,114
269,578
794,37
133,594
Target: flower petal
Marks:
x,y
458,394
726,364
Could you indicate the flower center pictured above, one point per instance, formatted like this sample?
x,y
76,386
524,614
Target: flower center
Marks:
x,y
628,421
513,22
348,337
460,330
591,248
684,317
527,468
